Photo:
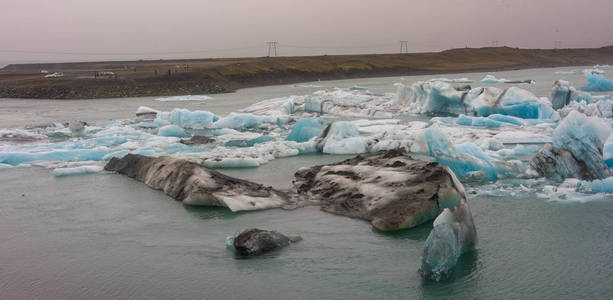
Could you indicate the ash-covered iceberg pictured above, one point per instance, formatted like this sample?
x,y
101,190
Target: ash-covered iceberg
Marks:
x,y
453,234
577,150
254,241
194,184
390,189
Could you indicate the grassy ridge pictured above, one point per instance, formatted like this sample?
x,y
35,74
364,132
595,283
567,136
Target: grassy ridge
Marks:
x,y
137,78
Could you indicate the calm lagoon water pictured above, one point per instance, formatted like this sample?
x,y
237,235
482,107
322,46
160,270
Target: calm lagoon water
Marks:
x,y
105,236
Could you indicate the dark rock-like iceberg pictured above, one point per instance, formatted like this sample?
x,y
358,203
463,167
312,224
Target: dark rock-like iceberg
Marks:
x,y
194,184
253,242
388,188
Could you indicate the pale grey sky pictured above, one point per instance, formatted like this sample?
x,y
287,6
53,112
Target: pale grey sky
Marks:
x,y
152,29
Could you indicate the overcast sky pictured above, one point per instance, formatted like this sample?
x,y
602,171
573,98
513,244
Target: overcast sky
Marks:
x,y
152,29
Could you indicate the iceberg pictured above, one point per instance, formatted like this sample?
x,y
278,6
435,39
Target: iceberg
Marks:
x,y
172,130
343,137
562,94
523,104
492,79
19,157
465,160
306,129
596,186
188,119
249,143
453,234
584,137
608,151
244,121
597,83
58,172
454,80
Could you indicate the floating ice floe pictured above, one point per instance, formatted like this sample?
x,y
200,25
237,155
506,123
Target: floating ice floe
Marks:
x,y
80,170
184,98
454,80
492,79
187,119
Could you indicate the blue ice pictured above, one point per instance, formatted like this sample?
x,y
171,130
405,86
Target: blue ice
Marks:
x,y
584,137
306,129
187,119
597,83
15,158
244,121
172,131
453,234
597,186
464,159
344,138
607,154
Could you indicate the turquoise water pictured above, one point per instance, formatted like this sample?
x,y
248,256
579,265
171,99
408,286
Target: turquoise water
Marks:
x,y
105,236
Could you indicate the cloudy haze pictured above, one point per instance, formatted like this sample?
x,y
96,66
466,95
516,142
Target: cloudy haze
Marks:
x,y
151,29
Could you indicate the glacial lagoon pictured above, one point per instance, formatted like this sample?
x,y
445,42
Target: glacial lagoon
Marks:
x,y
103,235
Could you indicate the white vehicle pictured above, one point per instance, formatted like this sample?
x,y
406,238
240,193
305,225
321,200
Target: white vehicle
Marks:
x,y
55,75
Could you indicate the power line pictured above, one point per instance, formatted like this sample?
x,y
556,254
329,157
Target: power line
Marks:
x,y
272,48
404,46
123,53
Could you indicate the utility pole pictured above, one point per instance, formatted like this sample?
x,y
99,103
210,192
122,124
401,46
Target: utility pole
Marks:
x,y
272,48
404,47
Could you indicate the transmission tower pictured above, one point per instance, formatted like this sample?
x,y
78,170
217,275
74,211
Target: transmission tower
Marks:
x,y
494,43
272,48
557,44
404,47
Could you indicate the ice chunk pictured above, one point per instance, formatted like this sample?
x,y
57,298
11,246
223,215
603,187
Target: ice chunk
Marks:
x,y
249,143
188,119
603,107
597,186
432,97
597,83
455,80
77,170
344,138
172,130
244,120
492,79
584,137
306,129
464,159
562,94
608,151
453,234
522,103
20,135
185,98
19,157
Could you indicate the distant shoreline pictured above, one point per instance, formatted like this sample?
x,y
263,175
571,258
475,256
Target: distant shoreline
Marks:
x,y
212,76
